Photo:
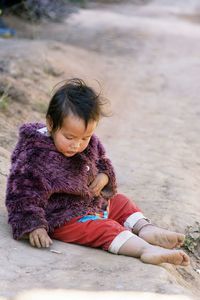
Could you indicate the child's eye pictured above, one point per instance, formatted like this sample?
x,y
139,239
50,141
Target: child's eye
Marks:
x,y
68,138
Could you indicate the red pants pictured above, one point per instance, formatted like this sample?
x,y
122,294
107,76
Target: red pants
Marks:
x,y
102,232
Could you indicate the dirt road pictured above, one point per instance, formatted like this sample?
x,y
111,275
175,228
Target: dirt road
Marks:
x,y
147,59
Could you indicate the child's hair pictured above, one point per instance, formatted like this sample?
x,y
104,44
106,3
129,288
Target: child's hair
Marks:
x,y
77,98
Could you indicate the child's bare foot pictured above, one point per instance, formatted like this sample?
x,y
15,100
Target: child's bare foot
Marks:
x,y
161,237
137,247
156,255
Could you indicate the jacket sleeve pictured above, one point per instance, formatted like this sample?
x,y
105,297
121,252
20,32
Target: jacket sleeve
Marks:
x,y
104,165
26,194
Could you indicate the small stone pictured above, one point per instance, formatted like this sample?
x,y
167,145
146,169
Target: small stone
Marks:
x,y
55,251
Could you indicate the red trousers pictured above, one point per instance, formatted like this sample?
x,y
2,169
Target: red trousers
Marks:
x,y
101,232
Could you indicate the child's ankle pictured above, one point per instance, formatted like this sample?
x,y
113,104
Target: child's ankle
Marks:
x,y
140,225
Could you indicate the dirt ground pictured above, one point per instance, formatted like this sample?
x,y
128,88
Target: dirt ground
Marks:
x,y
146,56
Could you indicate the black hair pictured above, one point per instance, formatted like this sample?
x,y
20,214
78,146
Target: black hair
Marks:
x,y
75,97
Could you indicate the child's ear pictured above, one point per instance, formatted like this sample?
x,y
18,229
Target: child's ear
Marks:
x,y
49,124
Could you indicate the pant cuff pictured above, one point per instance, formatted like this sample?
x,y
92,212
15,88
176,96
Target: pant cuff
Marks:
x,y
119,240
133,219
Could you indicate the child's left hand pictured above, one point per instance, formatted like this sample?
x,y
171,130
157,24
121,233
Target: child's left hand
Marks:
x,y
98,184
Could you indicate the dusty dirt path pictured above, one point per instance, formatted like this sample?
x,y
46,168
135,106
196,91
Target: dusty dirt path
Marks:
x,y
147,59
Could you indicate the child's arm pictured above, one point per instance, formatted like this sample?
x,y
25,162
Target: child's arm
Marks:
x,y
108,179
27,195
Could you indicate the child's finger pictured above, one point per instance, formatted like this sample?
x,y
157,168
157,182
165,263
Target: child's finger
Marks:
x,y
31,240
97,192
96,186
37,241
49,242
34,241
93,185
46,241
94,190
43,241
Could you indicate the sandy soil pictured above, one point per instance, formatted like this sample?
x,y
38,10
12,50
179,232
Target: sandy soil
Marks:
x,y
146,58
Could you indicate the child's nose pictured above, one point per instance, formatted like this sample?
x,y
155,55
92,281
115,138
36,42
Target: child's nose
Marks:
x,y
76,145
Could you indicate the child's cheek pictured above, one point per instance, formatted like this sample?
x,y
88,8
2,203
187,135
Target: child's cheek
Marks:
x,y
83,146
63,145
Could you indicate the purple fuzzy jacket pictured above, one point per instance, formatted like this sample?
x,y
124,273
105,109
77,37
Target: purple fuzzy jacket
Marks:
x,y
46,189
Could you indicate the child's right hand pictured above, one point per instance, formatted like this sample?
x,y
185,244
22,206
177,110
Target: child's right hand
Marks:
x,y
40,238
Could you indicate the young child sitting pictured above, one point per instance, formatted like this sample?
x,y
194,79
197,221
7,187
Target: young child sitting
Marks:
x,y
62,186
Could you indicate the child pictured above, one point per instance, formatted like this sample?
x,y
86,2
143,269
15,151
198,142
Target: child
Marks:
x,y
61,181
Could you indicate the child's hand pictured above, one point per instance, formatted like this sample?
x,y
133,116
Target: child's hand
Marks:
x,y
98,184
40,238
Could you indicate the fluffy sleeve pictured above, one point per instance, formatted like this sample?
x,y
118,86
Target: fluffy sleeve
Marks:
x,y
26,195
104,165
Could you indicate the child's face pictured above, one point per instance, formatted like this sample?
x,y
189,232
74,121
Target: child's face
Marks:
x,y
72,137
